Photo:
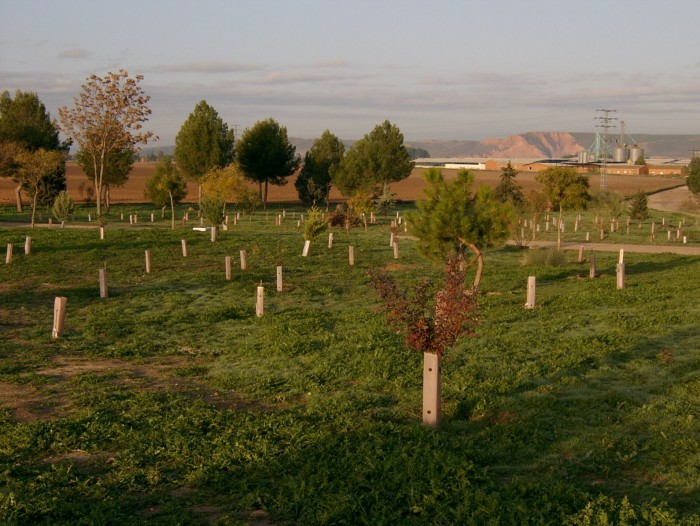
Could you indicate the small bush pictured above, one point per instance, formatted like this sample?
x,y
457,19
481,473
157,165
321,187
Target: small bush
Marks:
x,y
344,217
213,210
62,207
638,206
548,257
314,225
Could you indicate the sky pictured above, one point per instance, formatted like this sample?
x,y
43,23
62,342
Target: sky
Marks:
x,y
442,70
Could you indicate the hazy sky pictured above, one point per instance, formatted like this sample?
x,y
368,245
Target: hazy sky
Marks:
x,y
445,69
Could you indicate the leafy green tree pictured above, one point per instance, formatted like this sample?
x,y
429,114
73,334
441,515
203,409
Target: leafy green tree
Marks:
x,y
166,186
639,206
508,191
641,161
107,117
117,167
204,142
564,187
25,123
452,219
693,179
417,153
266,156
374,162
34,169
320,164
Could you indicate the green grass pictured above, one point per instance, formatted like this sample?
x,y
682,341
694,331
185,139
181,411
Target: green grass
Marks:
x,y
171,402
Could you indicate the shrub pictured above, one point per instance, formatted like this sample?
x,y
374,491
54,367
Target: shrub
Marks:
x,y
249,200
549,257
62,207
638,206
385,202
314,225
213,210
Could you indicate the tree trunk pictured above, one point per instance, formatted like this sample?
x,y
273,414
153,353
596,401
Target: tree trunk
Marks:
x,y
34,201
199,200
18,196
107,202
479,263
265,198
172,211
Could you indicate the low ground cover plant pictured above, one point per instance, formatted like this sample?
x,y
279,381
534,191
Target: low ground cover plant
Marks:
x,y
171,402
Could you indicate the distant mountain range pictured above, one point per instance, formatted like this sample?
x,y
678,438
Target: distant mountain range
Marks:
x,y
546,145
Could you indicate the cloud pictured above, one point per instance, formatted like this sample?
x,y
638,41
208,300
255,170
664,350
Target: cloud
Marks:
x,y
74,53
338,63
206,66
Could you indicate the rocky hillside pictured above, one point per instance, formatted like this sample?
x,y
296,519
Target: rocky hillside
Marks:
x,y
531,144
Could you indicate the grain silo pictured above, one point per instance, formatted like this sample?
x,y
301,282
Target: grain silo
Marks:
x,y
636,152
620,153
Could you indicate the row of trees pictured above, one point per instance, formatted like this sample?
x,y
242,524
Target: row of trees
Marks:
x,y
106,122
30,150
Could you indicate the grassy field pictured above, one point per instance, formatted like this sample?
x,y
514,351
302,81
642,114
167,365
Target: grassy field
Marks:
x,y
170,402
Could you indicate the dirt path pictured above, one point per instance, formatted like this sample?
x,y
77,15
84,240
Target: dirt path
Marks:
x,y
684,250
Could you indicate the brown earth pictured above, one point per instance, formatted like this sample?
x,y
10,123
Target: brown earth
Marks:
x,y
410,189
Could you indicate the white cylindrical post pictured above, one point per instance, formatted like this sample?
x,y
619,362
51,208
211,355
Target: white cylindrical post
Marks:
x,y
153,218
531,292
8,254
122,216
214,233
602,234
330,240
432,389
260,302
227,265
620,276
244,260
183,245
685,240
307,244
103,282
580,254
102,232
27,245
588,236
591,274
396,250
351,255
279,278
148,261
50,222
59,316
621,258
668,235
89,218
391,240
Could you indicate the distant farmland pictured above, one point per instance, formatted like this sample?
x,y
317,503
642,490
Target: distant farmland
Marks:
x,y
408,190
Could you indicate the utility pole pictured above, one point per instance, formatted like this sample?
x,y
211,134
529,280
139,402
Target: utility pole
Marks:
x,y
606,122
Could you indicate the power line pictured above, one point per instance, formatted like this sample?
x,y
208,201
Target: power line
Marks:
x,y
606,123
